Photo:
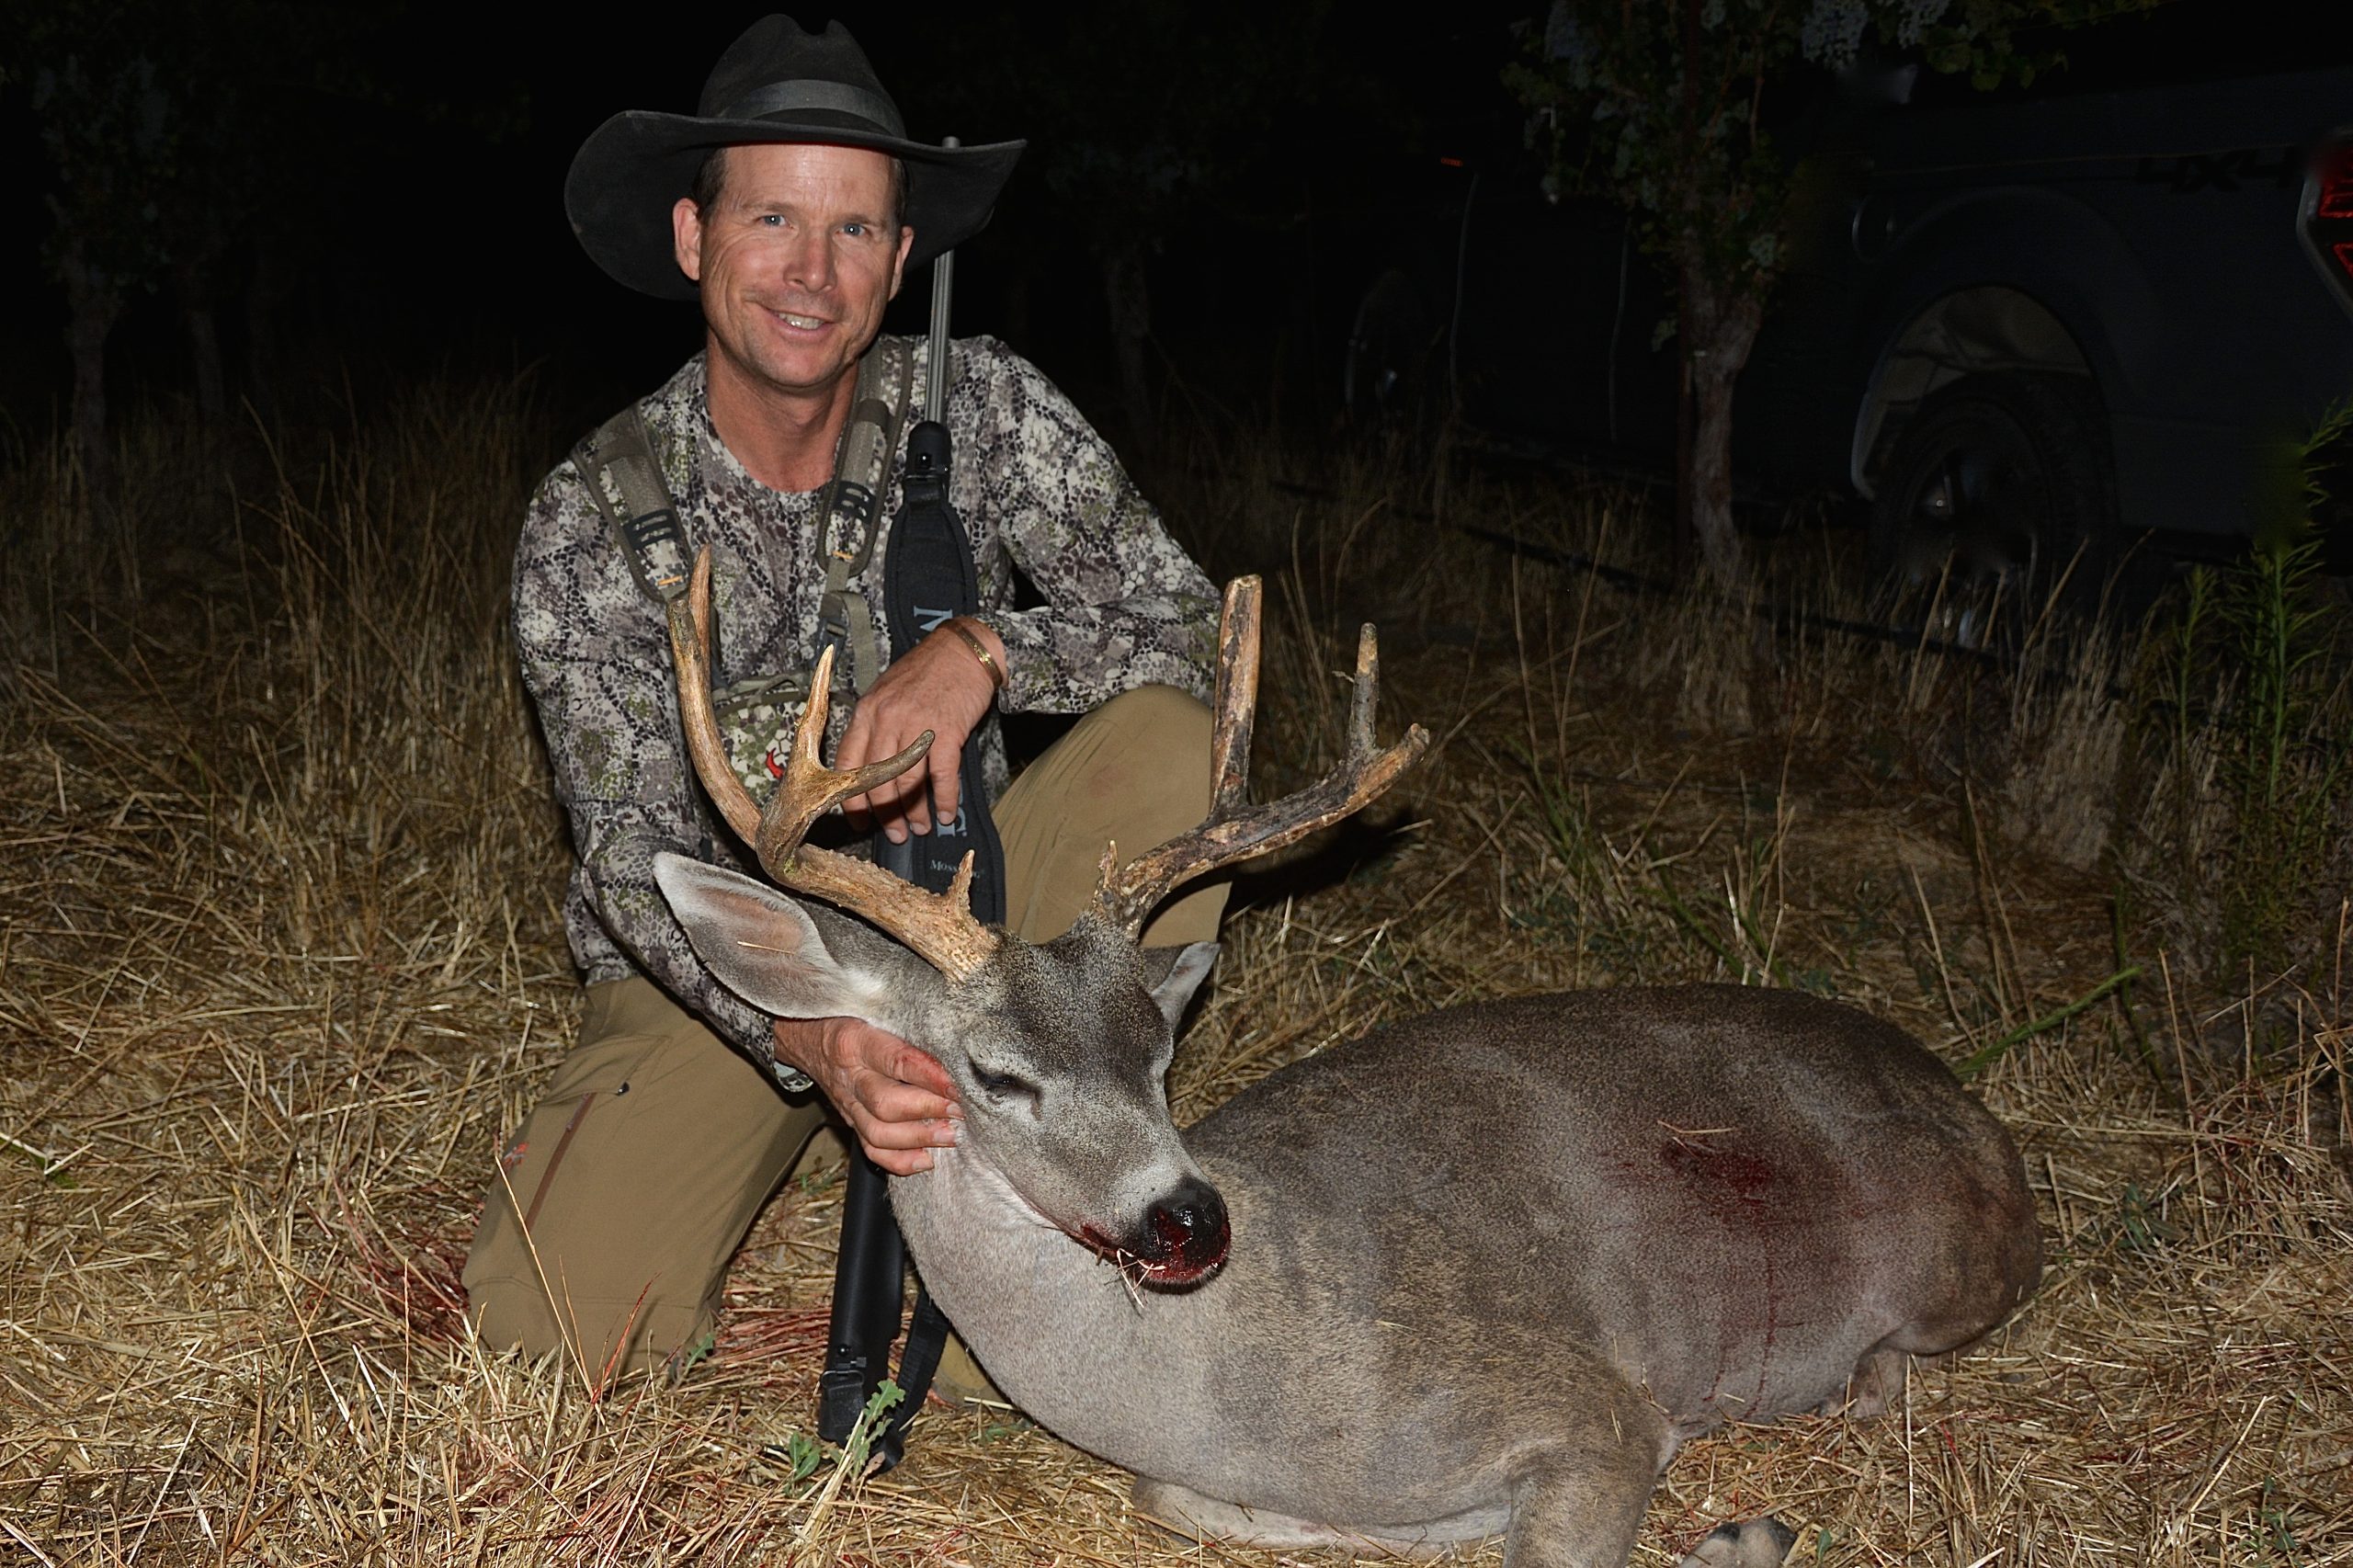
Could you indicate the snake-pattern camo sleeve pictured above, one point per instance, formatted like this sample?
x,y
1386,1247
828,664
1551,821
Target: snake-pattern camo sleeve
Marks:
x,y
595,657
1124,605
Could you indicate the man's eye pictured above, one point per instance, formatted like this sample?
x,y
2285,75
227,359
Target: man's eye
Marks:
x,y
773,219
853,228
1003,1083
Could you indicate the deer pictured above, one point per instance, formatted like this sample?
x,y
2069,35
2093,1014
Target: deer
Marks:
x,y
1476,1273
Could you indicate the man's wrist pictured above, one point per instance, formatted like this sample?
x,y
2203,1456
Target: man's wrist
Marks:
x,y
800,1047
986,648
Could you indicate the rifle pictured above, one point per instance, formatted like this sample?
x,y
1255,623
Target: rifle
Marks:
x,y
929,578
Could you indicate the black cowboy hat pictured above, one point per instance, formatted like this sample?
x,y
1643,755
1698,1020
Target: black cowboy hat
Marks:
x,y
775,84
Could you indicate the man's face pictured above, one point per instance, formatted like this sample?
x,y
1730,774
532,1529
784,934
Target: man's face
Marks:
x,y
797,260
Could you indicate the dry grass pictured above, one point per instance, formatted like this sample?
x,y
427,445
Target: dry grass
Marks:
x,y
280,961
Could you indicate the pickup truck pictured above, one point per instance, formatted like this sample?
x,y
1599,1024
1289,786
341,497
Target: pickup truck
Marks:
x,y
2011,329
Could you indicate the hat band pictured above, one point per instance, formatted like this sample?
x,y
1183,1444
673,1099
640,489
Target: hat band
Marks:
x,y
809,92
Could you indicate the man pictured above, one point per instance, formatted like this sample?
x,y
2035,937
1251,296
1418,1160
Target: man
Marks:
x,y
793,205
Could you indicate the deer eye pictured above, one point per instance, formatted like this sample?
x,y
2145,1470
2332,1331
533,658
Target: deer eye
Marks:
x,y
1005,1084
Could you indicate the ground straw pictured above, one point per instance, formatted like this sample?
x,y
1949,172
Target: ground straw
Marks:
x,y
280,961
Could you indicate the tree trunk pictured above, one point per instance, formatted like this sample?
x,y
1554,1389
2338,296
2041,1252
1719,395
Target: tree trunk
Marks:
x,y
92,306
1681,545
1125,290
1719,327
264,292
203,342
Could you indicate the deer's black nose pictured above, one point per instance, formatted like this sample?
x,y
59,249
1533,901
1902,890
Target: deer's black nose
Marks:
x,y
1188,1231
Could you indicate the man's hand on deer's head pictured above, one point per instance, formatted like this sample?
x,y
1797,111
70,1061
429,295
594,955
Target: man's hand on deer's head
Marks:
x,y
900,1102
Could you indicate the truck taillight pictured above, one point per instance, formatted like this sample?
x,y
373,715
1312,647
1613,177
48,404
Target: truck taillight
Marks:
x,y
2328,213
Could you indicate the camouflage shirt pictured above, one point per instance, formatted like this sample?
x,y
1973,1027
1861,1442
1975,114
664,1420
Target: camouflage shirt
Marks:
x,y
1035,488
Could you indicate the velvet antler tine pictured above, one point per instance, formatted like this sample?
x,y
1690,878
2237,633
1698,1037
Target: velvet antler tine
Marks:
x,y
690,656
808,789
937,928
1237,697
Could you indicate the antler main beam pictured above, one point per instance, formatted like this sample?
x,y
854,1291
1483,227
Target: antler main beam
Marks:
x,y
937,928
1236,830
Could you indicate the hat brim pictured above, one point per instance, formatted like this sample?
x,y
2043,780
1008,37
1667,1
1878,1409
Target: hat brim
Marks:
x,y
634,167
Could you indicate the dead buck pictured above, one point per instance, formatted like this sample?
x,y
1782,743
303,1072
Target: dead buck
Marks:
x,y
1478,1272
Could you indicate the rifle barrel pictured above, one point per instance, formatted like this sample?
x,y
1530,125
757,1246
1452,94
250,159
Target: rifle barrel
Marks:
x,y
943,288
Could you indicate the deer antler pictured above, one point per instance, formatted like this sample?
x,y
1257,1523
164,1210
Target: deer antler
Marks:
x,y
1235,830
937,928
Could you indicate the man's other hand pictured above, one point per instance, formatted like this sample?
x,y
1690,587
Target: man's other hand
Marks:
x,y
939,687
900,1102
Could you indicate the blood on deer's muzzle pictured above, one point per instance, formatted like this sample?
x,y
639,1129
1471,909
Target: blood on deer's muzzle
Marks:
x,y
1186,1234
1182,1240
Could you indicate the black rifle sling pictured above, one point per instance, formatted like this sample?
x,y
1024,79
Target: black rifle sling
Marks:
x,y
928,578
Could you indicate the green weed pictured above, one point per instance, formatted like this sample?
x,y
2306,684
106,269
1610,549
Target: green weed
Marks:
x,y
2253,744
799,1454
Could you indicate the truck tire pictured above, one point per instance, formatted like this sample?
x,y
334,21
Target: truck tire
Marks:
x,y
1385,382
2001,484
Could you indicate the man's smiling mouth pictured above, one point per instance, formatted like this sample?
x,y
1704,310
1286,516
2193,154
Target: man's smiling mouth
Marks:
x,y
804,323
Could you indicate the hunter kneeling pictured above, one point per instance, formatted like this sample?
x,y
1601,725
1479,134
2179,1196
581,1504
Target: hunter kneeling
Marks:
x,y
793,205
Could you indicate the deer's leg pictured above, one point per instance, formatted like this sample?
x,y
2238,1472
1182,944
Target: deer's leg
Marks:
x,y
1878,1382
1192,1514
1579,1504
1203,1518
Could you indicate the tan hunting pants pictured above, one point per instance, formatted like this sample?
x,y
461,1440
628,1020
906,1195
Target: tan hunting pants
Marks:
x,y
626,1190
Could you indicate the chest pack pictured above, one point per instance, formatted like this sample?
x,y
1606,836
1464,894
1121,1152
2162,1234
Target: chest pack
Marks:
x,y
625,477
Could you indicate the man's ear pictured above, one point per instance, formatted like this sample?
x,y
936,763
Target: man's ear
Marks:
x,y
791,960
899,262
1173,974
685,237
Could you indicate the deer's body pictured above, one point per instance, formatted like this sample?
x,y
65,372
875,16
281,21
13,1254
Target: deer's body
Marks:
x,y
1560,1232
1478,1271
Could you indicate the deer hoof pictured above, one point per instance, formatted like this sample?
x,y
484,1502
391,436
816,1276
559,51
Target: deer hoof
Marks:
x,y
1752,1543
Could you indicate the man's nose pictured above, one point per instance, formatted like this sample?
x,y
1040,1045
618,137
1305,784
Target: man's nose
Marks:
x,y
810,264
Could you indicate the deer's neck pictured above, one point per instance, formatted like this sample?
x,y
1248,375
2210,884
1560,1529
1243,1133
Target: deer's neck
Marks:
x,y
1060,1330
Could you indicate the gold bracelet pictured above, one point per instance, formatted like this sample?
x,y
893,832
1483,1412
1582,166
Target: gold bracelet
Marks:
x,y
981,651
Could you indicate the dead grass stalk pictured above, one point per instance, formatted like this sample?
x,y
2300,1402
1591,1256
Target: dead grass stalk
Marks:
x,y
279,961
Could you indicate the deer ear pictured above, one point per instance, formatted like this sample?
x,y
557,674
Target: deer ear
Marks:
x,y
1173,974
792,962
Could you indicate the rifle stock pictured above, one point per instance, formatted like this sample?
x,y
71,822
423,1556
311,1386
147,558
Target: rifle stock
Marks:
x,y
867,1280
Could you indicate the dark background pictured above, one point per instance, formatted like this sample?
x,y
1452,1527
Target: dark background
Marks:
x,y
423,231
415,225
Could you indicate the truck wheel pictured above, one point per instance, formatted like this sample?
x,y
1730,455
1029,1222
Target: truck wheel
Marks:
x,y
2000,486
1385,379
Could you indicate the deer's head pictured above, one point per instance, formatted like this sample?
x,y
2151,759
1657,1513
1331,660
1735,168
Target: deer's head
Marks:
x,y
1058,1050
